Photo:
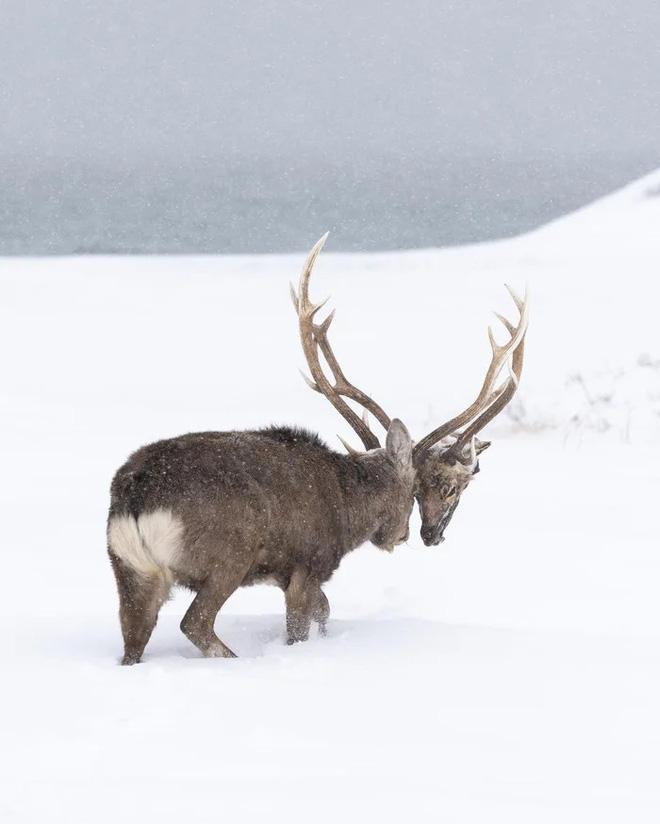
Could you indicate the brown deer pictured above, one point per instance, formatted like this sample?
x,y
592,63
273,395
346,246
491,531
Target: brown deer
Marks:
x,y
216,511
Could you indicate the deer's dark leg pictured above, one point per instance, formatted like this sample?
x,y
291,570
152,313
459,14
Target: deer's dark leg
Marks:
x,y
321,611
140,599
304,601
197,623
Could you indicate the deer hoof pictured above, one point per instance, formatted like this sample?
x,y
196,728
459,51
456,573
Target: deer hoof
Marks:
x,y
129,660
219,650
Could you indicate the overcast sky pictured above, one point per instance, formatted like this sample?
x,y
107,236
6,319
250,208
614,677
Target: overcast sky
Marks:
x,y
149,78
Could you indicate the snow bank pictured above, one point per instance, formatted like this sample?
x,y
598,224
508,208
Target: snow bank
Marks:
x,y
627,219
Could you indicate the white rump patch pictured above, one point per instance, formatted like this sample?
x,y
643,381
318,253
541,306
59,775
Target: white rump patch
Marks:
x,y
150,545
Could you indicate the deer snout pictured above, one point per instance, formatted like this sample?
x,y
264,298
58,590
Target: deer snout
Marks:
x,y
432,535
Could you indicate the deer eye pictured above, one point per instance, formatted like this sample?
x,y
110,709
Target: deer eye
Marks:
x,y
451,491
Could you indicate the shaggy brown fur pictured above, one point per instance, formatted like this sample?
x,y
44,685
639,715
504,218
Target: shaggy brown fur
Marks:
x,y
215,511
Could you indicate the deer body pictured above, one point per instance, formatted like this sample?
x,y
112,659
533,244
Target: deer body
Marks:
x,y
216,511
220,510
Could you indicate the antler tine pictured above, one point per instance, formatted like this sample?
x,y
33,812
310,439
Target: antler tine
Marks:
x,y
520,303
314,337
501,399
509,326
294,297
349,448
309,381
491,400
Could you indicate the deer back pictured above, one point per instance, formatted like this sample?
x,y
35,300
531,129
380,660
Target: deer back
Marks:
x,y
279,494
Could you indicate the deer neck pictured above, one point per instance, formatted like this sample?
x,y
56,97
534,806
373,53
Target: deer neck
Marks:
x,y
370,491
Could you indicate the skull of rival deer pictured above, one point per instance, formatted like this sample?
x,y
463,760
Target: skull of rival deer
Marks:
x,y
445,460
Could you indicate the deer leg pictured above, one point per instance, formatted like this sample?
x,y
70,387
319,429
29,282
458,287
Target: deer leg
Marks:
x,y
140,599
321,611
300,597
197,623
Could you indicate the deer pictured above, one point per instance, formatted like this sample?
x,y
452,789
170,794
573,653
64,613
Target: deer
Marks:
x,y
216,511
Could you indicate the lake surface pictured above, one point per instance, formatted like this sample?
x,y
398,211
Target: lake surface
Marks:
x,y
239,205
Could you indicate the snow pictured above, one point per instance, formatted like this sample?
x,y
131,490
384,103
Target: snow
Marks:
x,y
510,675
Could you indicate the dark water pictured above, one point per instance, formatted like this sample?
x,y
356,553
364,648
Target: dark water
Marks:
x,y
266,206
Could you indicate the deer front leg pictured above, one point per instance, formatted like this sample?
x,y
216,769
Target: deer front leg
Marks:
x,y
301,599
321,611
305,602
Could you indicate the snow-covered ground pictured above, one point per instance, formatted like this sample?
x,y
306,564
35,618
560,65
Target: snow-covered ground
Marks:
x,y
512,674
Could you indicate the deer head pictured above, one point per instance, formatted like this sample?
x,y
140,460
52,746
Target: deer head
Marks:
x,y
445,460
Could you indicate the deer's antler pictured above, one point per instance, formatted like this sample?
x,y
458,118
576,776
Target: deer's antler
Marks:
x,y
491,399
314,338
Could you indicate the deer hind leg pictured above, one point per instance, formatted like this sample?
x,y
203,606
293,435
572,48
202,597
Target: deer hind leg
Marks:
x,y
140,599
197,623
321,611
304,601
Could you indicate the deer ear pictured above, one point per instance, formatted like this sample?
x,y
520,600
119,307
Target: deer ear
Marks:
x,y
398,445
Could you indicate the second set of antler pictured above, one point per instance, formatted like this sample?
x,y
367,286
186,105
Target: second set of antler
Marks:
x,y
215,511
